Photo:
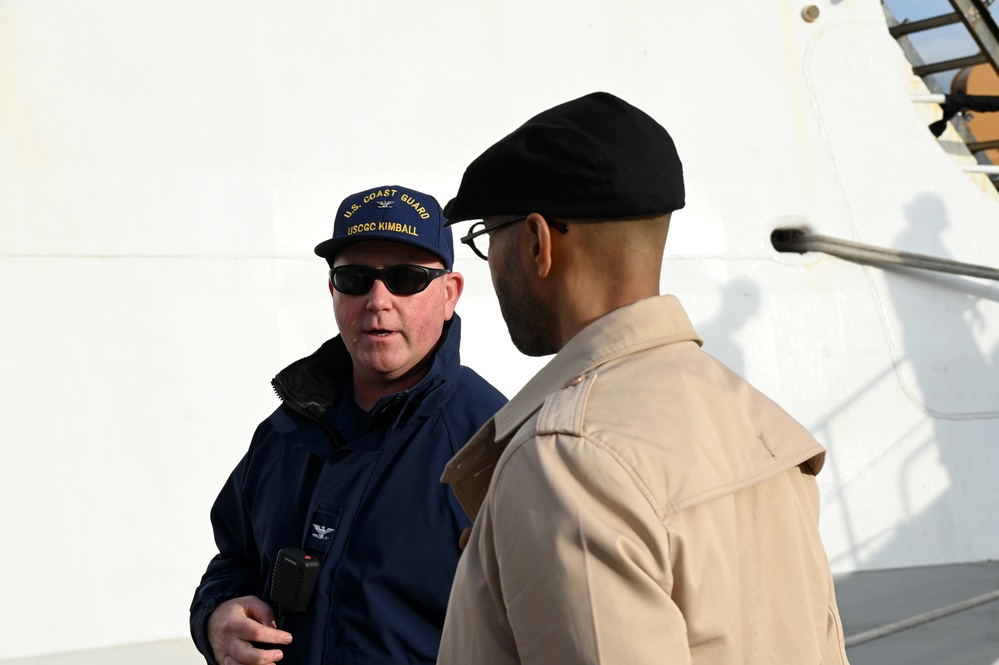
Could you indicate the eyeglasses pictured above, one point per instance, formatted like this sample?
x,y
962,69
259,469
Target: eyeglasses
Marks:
x,y
404,280
478,236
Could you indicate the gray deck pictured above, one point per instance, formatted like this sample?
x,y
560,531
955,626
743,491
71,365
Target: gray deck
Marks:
x,y
867,600
872,599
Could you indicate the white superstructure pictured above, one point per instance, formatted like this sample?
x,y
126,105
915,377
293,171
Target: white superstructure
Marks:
x,y
166,169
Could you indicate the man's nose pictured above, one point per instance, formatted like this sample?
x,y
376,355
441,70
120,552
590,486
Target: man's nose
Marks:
x,y
379,296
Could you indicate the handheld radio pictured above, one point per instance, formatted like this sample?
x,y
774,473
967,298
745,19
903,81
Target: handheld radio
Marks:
x,y
293,580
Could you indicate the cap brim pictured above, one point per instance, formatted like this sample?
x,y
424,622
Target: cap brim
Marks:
x,y
327,249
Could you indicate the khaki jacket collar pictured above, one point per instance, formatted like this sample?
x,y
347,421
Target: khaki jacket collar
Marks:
x,y
641,325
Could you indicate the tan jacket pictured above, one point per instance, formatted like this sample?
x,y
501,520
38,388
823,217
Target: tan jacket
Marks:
x,y
638,502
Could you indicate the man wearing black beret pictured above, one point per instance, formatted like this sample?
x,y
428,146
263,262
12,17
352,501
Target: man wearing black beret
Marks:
x,y
637,502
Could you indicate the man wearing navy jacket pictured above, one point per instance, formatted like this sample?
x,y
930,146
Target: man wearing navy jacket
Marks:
x,y
347,468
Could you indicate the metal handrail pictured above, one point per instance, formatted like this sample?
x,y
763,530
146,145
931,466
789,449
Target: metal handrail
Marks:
x,y
800,241
920,619
981,26
949,65
983,145
910,27
977,20
988,169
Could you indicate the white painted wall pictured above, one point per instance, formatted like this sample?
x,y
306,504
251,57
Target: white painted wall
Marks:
x,y
165,171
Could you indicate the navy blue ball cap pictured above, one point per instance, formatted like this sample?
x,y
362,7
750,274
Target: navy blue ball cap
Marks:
x,y
391,213
596,157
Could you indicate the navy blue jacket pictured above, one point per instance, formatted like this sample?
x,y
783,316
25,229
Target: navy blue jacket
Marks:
x,y
371,507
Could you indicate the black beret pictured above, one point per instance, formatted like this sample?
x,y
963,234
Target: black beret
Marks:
x,y
596,157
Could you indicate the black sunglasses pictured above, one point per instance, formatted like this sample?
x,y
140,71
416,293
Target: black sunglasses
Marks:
x,y
480,230
404,280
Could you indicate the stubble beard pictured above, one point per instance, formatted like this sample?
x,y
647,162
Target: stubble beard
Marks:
x,y
524,313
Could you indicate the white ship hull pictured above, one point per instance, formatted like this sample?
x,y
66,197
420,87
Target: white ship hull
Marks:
x,y
165,171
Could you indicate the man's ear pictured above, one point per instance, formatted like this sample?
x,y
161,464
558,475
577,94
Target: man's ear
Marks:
x,y
539,236
453,286
329,283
